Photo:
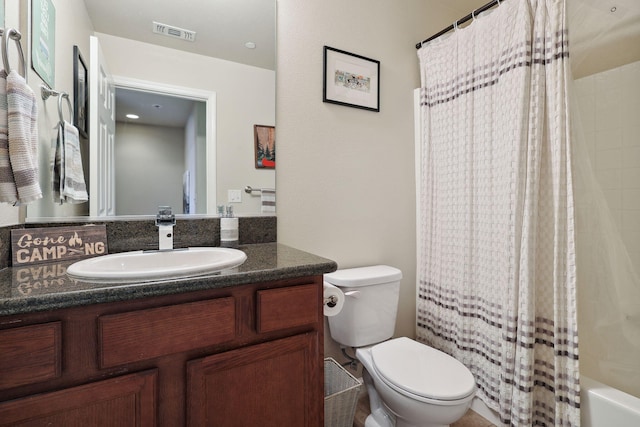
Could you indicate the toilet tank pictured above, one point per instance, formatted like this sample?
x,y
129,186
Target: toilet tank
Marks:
x,y
370,307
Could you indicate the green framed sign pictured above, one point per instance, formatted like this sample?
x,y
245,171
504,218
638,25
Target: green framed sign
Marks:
x,y
2,14
43,40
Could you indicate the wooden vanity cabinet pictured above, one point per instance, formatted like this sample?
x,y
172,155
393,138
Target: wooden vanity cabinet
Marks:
x,y
239,356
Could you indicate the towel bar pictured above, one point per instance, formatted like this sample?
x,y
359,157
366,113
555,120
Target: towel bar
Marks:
x,y
250,190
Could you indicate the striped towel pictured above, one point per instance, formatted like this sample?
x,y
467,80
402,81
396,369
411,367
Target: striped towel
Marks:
x,y
8,191
23,137
268,200
68,175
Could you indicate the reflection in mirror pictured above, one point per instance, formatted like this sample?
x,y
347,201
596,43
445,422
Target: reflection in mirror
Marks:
x,y
170,133
242,81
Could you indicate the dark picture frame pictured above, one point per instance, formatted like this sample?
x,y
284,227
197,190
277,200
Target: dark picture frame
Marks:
x,y
350,80
265,146
80,93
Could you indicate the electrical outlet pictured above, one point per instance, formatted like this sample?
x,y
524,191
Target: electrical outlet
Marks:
x,y
234,196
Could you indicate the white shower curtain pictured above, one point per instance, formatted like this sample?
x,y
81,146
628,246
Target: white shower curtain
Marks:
x,y
497,279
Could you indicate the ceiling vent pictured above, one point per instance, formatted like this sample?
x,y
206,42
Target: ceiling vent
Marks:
x,y
171,31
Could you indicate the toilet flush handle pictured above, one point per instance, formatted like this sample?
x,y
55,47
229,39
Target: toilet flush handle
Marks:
x,y
353,294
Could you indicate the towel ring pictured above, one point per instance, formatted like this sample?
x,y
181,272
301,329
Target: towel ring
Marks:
x,y
11,33
64,95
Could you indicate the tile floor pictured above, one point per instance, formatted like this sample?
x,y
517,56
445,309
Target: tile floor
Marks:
x,y
471,419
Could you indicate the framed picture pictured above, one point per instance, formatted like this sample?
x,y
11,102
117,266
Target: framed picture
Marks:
x,y
351,80
265,146
80,94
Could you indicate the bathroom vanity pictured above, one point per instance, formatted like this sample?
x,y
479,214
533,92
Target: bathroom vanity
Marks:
x,y
243,347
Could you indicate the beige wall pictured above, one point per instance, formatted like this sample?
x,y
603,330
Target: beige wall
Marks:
x,y
345,176
70,15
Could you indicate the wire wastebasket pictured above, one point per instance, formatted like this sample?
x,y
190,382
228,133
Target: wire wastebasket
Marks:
x,y
341,390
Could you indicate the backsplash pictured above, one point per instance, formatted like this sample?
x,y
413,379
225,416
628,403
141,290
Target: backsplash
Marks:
x,y
131,235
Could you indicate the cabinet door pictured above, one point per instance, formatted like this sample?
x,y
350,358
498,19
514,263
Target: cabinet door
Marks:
x,y
124,401
275,384
30,354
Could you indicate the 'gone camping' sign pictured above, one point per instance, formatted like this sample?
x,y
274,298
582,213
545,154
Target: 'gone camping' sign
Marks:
x,y
36,245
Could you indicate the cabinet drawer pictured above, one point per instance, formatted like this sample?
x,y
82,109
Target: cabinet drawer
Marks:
x,y
145,334
30,354
288,307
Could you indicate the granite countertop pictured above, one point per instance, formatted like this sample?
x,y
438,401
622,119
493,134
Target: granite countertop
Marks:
x,y
45,287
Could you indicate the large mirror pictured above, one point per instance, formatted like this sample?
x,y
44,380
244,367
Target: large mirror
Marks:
x,y
214,59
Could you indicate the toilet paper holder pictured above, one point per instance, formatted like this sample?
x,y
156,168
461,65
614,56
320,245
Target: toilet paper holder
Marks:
x,y
332,300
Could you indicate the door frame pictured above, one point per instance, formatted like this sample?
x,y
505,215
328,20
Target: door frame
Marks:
x,y
206,96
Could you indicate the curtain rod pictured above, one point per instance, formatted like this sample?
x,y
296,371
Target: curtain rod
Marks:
x,y
460,21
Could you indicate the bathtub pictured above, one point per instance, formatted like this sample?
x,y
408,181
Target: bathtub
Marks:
x,y
604,406
600,406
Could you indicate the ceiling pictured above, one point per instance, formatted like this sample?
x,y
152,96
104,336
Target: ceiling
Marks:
x,y
153,109
222,26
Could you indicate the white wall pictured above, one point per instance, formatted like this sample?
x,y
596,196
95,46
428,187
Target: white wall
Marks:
x,y
346,176
149,163
245,96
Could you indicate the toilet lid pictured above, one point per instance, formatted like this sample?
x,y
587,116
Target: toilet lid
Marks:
x,y
424,371
363,276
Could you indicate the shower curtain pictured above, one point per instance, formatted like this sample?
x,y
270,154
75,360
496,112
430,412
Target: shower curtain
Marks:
x,y
496,265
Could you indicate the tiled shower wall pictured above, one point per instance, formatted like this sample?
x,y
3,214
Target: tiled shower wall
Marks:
x,y
609,105
609,122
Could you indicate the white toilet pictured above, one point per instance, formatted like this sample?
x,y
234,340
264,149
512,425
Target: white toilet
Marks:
x,y
409,383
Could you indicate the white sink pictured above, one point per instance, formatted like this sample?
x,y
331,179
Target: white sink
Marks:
x,y
144,266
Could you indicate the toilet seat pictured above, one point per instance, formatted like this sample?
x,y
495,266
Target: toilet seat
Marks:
x,y
412,368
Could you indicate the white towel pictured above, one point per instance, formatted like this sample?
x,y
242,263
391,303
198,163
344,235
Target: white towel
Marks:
x,y
23,137
68,174
8,191
268,200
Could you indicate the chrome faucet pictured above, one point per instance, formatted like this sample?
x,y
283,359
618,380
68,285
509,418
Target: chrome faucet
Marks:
x,y
165,220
